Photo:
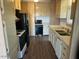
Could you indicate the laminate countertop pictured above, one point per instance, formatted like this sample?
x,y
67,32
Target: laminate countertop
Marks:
x,y
64,39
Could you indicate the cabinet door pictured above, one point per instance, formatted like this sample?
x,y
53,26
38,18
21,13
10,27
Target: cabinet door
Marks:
x,y
45,29
58,5
65,52
64,7
42,9
50,35
54,41
58,48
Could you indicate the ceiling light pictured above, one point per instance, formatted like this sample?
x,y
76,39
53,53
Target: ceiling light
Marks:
x,y
35,0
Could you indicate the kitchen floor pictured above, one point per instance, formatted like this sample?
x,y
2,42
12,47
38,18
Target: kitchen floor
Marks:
x,y
40,48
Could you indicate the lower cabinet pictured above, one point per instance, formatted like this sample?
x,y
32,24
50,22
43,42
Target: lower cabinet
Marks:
x,y
45,29
54,41
50,36
65,52
61,49
57,44
58,48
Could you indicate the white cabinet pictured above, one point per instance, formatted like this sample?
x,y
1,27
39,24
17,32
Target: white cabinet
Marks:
x,y
45,29
64,7
65,52
50,36
56,43
61,8
61,49
58,5
58,48
45,23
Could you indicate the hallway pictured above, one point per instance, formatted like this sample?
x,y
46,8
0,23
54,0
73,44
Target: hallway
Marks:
x,y
40,48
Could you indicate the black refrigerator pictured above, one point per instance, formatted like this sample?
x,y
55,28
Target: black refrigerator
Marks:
x,y
22,24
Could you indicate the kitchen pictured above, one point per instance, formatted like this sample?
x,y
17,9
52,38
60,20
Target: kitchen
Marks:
x,y
54,18
61,20
59,24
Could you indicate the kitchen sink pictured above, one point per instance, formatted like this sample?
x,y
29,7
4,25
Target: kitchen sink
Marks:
x,y
62,32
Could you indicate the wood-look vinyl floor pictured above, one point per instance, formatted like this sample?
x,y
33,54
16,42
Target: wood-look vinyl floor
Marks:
x,y
40,48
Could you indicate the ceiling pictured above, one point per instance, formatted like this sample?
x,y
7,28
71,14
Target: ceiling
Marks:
x,y
38,0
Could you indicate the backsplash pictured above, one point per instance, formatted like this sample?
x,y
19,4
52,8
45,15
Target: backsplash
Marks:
x,y
63,21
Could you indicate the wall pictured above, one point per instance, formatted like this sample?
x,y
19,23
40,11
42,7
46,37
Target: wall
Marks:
x,y
9,17
43,9
31,17
28,7
75,36
54,20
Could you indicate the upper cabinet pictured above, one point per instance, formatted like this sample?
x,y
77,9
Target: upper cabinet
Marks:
x,y
18,4
61,8
58,5
73,9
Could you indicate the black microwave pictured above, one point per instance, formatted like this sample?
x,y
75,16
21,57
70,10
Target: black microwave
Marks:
x,y
38,22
